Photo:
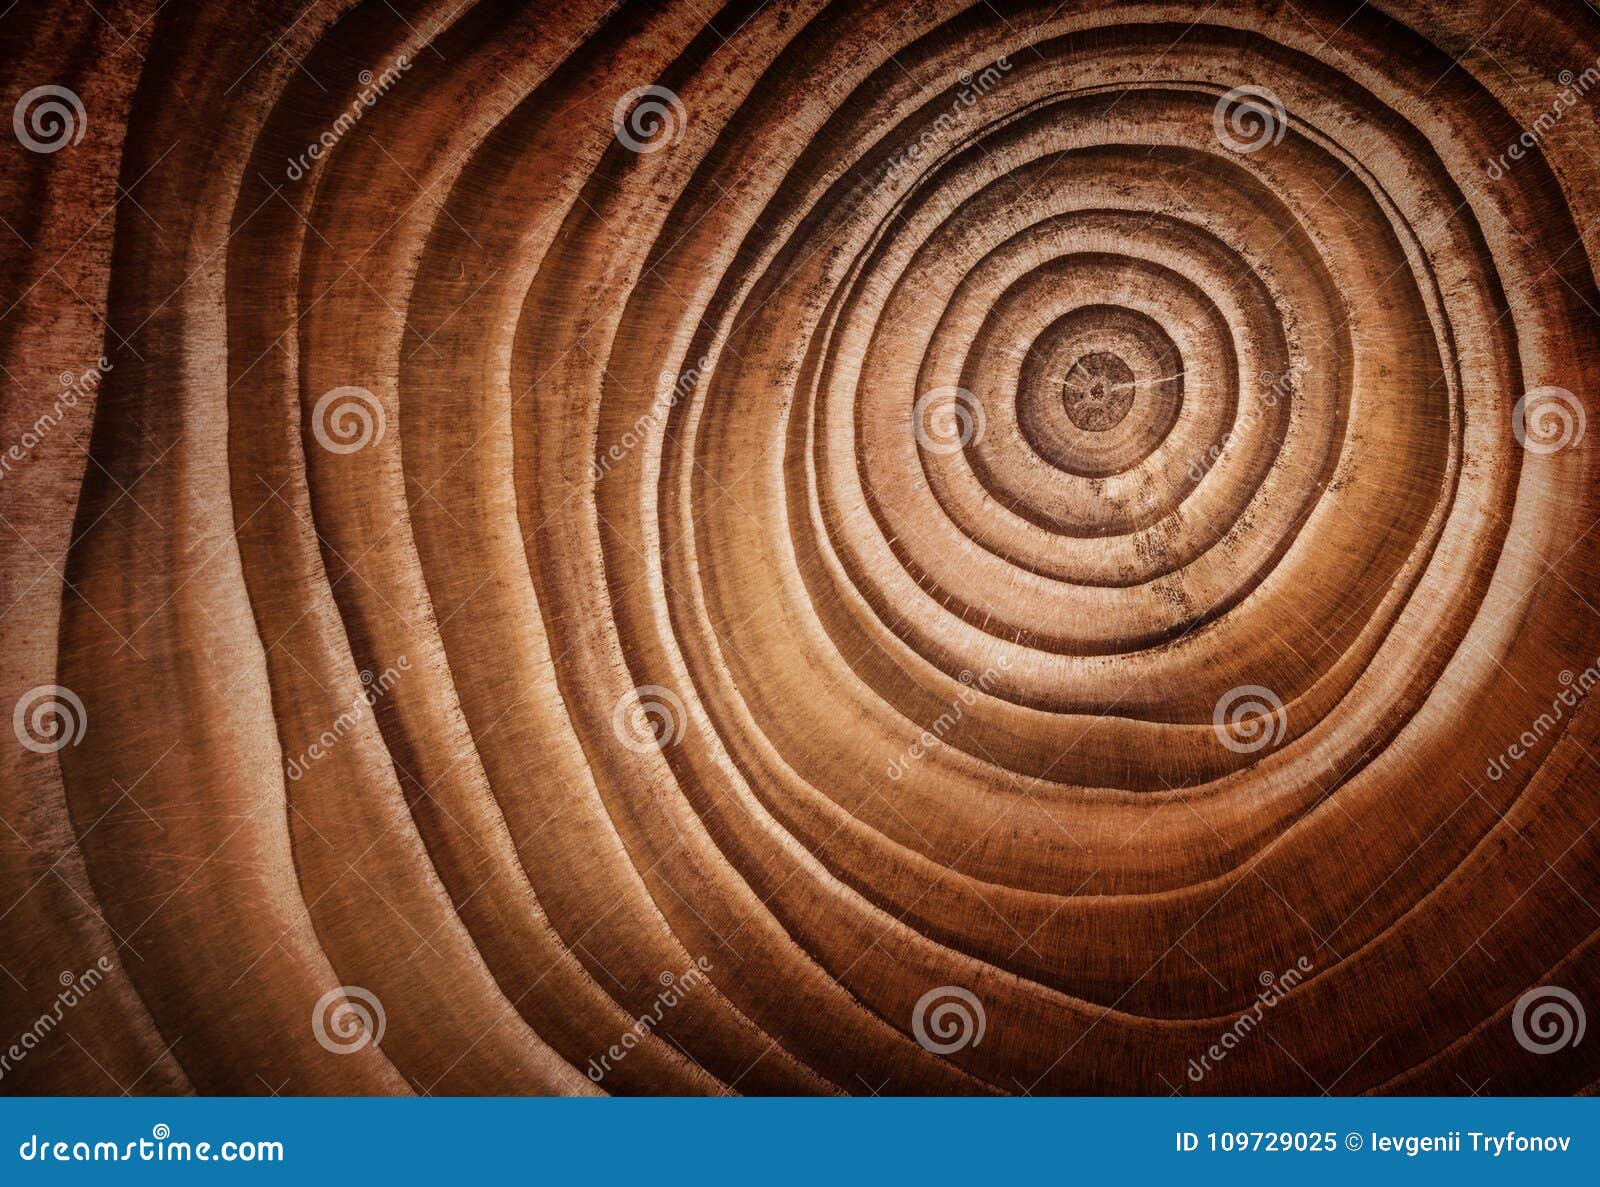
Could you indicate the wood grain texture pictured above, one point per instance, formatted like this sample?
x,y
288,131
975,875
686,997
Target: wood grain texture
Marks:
x,y
800,547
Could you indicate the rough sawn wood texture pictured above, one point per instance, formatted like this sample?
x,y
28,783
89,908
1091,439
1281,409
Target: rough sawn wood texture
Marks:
x,y
799,547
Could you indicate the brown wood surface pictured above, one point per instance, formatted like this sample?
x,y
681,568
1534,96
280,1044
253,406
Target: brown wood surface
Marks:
x,y
935,539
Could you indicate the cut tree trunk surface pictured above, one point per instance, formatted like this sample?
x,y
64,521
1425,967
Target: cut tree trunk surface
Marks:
x,y
800,547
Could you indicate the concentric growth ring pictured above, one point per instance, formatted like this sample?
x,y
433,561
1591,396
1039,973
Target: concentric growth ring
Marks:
x,y
925,547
